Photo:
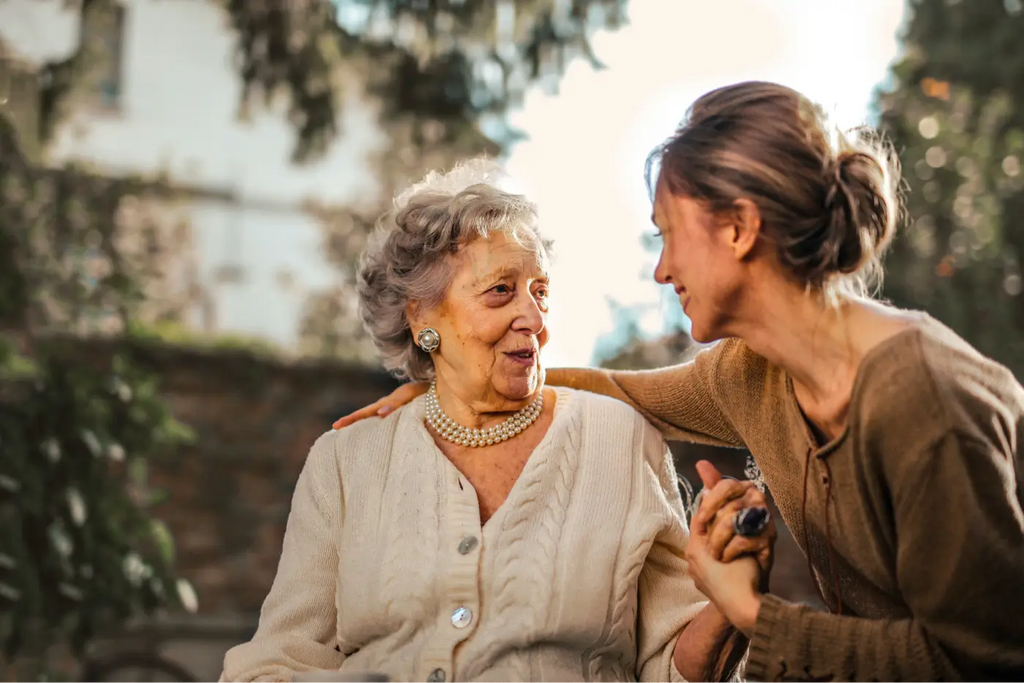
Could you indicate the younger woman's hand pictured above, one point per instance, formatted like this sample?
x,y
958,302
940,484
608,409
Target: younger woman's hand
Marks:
x,y
721,500
393,401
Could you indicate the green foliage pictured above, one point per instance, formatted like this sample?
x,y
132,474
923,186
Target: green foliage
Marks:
x,y
79,251
445,61
442,72
956,116
84,254
449,61
79,552
172,332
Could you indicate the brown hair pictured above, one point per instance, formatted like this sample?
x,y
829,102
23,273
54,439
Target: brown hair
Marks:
x,y
830,203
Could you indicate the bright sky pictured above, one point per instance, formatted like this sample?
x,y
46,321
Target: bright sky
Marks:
x,y
584,160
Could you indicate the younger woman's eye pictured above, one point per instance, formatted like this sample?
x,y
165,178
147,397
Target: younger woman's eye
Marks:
x,y
652,240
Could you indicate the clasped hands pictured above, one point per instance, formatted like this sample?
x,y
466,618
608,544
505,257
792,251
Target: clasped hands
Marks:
x,y
730,569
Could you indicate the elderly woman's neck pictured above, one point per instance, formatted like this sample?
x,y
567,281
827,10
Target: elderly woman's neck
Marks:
x,y
478,408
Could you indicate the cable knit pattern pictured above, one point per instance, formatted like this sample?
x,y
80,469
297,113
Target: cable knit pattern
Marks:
x,y
413,531
579,575
548,482
554,516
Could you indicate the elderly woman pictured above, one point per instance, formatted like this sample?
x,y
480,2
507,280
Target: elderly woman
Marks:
x,y
494,528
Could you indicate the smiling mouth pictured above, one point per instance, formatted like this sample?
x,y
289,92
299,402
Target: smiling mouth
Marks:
x,y
525,356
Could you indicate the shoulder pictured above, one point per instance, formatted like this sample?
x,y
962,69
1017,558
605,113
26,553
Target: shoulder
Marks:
x,y
606,417
747,388
365,430
597,408
734,357
931,378
589,404
357,442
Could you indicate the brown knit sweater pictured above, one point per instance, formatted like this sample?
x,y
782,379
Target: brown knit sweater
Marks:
x,y
913,517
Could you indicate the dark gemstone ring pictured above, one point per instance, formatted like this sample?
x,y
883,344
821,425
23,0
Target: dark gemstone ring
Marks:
x,y
750,522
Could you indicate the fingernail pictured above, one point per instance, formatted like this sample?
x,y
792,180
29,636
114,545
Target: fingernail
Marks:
x,y
384,411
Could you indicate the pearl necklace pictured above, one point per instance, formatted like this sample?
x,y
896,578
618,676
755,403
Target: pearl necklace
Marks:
x,y
450,430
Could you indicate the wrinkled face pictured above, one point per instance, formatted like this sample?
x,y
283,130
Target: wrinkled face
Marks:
x,y
492,322
698,261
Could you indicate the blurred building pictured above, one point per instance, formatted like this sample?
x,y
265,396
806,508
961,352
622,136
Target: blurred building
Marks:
x,y
166,104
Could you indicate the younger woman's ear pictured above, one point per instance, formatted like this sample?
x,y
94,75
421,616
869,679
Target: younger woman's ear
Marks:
x,y
746,228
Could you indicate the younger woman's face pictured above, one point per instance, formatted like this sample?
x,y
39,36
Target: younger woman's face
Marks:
x,y
699,260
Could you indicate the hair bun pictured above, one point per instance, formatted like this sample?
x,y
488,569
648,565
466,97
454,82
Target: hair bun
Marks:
x,y
828,201
860,211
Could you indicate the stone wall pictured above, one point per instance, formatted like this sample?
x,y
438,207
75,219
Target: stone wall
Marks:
x,y
229,493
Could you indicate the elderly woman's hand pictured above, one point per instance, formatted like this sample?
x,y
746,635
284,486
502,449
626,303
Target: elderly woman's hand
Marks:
x,y
731,586
393,401
721,500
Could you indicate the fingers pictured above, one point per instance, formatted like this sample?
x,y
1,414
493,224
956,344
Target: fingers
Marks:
x,y
722,532
739,545
361,414
708,473
714,499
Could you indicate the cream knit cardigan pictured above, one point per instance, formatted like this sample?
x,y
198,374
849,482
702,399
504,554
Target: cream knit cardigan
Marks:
x,y
578,576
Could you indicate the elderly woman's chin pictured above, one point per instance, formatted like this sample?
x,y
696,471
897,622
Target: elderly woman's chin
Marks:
x,y
517,382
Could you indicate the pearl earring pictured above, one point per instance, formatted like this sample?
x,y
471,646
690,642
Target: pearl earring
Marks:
x,y
428,339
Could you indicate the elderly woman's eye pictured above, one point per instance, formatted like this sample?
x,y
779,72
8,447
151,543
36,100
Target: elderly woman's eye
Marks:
x,y
501,289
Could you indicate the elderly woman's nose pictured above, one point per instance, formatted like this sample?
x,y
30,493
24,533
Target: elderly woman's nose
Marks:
x,y
530,315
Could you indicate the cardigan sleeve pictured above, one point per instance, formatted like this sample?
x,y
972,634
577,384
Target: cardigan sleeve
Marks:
x,y
298,621
679,400
959,565
667,597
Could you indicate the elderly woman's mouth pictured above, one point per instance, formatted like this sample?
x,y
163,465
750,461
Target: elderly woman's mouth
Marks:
x,y
523,357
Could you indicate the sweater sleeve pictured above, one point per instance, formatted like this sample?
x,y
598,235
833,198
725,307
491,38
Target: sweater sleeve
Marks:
x,y
679,400
298,621
961,582
668,598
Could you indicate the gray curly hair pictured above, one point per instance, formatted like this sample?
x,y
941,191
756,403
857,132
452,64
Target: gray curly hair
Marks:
x,y
408,258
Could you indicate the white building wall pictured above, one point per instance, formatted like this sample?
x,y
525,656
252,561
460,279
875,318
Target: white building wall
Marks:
x,y
178,114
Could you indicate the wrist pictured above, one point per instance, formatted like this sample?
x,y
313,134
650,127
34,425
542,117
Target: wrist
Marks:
x,y
744,616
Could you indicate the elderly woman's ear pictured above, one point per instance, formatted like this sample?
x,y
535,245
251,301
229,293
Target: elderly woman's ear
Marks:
x,y
412,314
424,335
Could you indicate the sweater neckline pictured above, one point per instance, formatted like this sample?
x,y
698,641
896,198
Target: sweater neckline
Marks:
x,y
556,434
863,370
563,400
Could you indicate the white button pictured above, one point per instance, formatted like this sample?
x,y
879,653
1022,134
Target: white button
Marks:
x,y
461,617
